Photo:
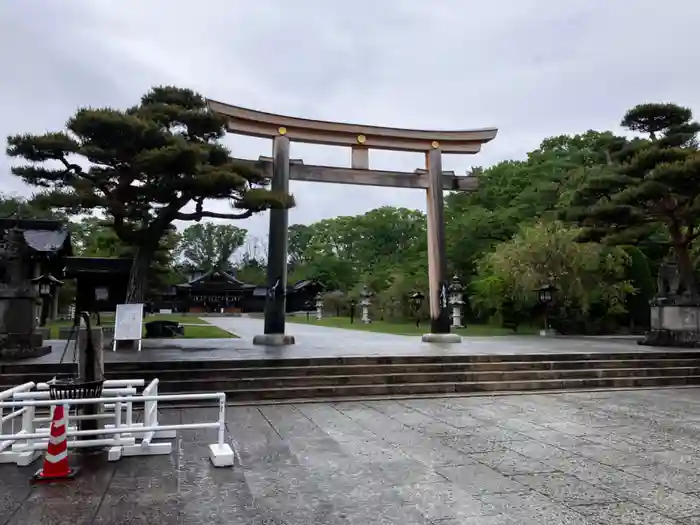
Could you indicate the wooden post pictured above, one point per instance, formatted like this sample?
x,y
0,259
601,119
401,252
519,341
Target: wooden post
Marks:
x,y
437,254
275,303
360,158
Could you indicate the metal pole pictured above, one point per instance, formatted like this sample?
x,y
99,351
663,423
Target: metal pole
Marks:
x,y
222,421
123,399
112,431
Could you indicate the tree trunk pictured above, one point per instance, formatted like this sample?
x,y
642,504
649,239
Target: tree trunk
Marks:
x,y
686,270
138,277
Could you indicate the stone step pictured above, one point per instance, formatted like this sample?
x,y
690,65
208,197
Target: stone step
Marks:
x,y
235,368
409,389
169,374
494,360
245,383
326,370
280,379
166,372
190,365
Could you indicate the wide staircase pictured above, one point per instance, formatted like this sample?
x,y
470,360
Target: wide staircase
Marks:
x,y
357,377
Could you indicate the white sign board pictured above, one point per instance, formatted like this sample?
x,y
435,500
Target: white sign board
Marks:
x,y
128,324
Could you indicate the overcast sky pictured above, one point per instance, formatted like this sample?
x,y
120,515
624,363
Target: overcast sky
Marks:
x,y
532,68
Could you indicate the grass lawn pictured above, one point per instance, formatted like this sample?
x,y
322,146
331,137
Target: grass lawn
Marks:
x,y
203,331
406,328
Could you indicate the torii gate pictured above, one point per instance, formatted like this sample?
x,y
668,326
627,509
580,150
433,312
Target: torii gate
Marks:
x,y
360,139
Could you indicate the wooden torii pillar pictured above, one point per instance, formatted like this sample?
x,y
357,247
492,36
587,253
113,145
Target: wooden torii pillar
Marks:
x,y
360,139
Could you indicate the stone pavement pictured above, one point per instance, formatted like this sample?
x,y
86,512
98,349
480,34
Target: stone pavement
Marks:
x,y
322,341
625,457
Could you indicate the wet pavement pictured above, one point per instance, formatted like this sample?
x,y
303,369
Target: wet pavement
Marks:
x,y
322,341
625,457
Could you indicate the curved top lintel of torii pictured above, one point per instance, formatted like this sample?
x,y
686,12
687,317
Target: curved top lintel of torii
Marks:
x,y
254,123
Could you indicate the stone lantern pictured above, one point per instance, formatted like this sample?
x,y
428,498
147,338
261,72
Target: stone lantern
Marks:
x,y
456,301
319,306
545,295
365,303
416,299
46,286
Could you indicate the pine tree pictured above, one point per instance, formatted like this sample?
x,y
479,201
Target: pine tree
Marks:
x,y
145,166
653,182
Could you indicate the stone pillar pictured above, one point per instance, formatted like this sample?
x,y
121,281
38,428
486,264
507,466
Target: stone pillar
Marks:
x,y
437,253
319,306
275,304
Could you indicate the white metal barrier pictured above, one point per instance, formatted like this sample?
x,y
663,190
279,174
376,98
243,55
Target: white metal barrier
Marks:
x,y
31,423
8,456
109,387
30,441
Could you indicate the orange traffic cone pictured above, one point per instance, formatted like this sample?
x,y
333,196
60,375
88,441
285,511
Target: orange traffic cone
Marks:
x,y
56,466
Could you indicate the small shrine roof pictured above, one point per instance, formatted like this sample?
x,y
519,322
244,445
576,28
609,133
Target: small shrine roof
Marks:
x,y
41,235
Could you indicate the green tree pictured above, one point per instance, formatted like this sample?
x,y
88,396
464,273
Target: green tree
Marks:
x,y
299,238
584,273
208,246
514,193
656,183
146,165
252,262
14,206
332,253
92,237
370,248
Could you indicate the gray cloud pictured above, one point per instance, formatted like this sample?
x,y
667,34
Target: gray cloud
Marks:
x,y
533,69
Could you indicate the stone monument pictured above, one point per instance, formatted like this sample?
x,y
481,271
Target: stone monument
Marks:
x,y
675,312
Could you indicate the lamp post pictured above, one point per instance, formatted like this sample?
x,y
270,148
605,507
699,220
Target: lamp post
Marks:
x,y
319,306
365,303
545,295
416,301
353,304
456,301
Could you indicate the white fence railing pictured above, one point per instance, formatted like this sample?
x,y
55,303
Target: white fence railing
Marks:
x,y
8,422
117,399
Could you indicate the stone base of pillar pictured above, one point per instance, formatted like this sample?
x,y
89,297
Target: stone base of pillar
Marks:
x,y
548,333
273,340
675,326
441,338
